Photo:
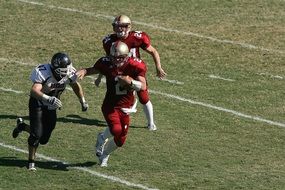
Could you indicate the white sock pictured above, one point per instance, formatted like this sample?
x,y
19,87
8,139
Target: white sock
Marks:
x,y
110,147
107,134
148,110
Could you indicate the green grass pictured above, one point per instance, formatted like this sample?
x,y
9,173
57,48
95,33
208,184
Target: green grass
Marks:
x,y
196,147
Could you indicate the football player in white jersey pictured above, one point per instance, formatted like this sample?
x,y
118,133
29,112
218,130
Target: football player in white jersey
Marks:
x,y
49,81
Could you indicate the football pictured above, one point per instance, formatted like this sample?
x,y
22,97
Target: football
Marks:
x,y
125,82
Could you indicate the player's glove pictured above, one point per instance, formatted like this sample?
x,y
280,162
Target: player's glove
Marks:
x,y
53,101
84,106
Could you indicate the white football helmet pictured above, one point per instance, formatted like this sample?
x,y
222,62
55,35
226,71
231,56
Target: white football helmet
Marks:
x,y
119,52
122,26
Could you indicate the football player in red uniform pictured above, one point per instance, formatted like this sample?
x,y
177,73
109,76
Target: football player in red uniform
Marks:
x,y
124,75
135,40
49,81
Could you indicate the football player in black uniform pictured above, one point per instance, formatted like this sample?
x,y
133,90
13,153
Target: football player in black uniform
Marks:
x,y
49,81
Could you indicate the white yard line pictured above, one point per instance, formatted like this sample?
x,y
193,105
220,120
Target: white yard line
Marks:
x,y
11,90
256,118
171,81
221,78
224,41
271,76
68,88
94,173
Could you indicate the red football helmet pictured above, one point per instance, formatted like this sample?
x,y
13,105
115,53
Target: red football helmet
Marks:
x,y
122,26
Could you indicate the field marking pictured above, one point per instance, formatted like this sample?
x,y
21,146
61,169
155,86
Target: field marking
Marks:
x,y
103,79
68,88
223,41
92,172
11,90
171,81
164,80
256,118
221,78
271,76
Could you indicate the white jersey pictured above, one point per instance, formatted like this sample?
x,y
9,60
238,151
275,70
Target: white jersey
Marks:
x,y
43,74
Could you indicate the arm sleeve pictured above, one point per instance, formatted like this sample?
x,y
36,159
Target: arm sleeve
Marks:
x,y
145,41
72,75
38,75
107,44
99,65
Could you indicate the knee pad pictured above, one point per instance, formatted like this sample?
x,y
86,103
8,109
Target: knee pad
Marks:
x,y
33,141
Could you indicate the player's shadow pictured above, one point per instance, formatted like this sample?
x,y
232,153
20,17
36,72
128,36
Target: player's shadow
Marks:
x,y
67,119
137,127
12,117
72,118
51,165
81,120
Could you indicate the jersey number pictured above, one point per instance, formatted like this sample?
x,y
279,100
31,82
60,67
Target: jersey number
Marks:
x,y
138,34
42,68
119,89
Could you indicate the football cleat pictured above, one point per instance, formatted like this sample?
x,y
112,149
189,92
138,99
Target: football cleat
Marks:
x,y
103,160
32,166
17,129
100,143
152,127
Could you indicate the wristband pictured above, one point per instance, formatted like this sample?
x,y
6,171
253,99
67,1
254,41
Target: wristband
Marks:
x,y
45,97
136,85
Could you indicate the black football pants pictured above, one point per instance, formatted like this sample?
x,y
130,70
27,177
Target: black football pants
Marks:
x,y
42,123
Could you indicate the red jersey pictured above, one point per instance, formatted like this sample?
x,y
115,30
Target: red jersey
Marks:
x,y
135,40
116,96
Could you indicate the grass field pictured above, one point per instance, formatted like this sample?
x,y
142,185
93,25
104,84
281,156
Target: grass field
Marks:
x,y
220,113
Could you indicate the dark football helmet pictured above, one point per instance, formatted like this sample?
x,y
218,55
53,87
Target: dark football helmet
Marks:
x,y
60,65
